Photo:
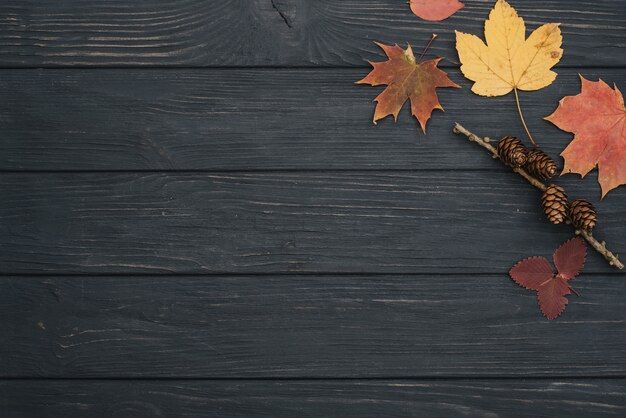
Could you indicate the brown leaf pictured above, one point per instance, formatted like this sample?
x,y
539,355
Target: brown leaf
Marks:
x,y
406,79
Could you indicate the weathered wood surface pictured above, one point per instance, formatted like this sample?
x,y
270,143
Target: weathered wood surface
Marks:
x,y
302,326
383,222
273,32
280,255
250,120
387,398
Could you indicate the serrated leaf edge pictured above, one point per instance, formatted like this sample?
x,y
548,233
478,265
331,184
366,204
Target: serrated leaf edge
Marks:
x,y
545,315
582,266
522,261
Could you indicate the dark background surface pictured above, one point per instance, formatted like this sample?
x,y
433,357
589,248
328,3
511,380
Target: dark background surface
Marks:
x,y
198,218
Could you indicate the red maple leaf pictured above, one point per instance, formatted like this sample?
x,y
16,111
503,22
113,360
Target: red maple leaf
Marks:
x,y
535,273
597,118
435,10
406,79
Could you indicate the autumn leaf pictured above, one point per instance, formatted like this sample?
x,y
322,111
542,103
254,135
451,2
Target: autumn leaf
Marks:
x,y
435,10
599,136
535,273
406,79
508,61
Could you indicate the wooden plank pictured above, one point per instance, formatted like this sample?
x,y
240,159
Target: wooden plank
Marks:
x,y
250,120
384,222
273,32
305,326
389,398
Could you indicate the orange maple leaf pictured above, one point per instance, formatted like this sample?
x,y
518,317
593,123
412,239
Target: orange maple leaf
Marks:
x,y
597,118
435,10
406,79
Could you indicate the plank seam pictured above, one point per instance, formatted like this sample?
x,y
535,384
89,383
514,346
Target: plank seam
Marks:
x,y
251,67
317,378
496,169
282,274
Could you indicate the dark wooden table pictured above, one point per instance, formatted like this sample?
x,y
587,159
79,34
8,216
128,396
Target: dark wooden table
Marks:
x,y
198,218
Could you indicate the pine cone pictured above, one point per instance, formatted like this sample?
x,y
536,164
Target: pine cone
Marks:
x,y
554,203
512,151
540,164
583,214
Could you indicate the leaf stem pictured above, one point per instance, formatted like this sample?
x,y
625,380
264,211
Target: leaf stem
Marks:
x,y
432,38
587,235
521,115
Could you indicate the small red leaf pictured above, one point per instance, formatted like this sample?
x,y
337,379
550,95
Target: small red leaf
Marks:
x,y
551,296
532,272
435,10
569,258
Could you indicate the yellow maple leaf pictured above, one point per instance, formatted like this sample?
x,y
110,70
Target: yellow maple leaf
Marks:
x,y
509,61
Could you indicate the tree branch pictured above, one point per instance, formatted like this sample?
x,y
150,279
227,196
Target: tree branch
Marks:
x,y
595,244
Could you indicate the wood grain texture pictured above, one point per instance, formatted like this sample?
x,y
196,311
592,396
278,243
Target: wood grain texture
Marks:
x,y
250,120
174,219
410,222
303,326
399,398
46,33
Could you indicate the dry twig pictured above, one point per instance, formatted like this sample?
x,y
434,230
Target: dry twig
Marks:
x,y
597,245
